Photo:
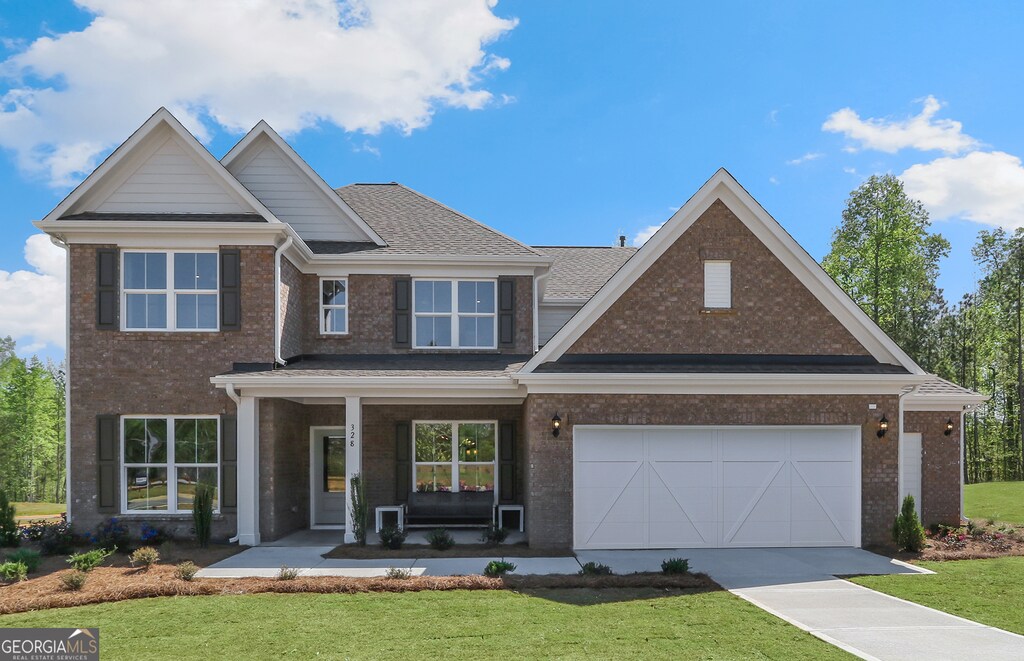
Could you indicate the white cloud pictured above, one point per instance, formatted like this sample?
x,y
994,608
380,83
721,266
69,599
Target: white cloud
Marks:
x,y
646,233
33,301
809,156
359,64
922,132
773,180
986,187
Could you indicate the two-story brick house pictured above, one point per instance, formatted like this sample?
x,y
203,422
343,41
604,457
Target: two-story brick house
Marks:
x,y
241,324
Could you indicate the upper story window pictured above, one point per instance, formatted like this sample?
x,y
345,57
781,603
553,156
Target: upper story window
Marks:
x,y
454,314
334,306
717,285
169,290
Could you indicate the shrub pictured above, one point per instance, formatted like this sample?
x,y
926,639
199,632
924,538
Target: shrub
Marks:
x,y
153,536
27,557
111,534
974,530
54,538
145,557
595,569
440,539
493,535
202,513
9,533
13,571
287,573
907,532
392,537
86,562
360,509
73,581
186,571
498,568
675,566
398,573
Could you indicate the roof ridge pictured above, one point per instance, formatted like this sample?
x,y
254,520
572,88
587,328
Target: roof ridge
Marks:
x,y
472,220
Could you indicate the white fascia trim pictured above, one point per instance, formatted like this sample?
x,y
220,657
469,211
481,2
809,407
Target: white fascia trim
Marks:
x,y
161,117
330,265
163,233
943,402
264,129
715,384
724,187
387,387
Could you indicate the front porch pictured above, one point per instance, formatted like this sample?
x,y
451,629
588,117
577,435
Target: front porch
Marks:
x,y
448,462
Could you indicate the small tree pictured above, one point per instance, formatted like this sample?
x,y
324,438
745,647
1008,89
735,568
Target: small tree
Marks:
x,y
9,533
907,531
202,513
360,511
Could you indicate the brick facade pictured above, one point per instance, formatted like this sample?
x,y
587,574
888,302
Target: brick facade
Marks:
x,y
940,465
549,460
772,312
158,373
370,316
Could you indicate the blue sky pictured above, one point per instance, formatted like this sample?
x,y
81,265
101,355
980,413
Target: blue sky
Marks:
x,y
567,125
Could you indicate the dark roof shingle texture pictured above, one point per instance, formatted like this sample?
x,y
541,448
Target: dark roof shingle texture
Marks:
x,y
578,272
414,224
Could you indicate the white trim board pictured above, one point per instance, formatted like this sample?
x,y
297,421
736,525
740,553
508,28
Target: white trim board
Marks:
x,y
722,186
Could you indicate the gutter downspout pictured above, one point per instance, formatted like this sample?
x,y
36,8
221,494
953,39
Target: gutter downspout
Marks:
x,y
230,390
60,243
279,360
899,450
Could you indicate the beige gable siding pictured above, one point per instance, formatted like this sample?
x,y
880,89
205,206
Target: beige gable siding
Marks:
x,y
170,180
772,312
550,318
293,198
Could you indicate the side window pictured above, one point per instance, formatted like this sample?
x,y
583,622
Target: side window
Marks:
x,y
334,306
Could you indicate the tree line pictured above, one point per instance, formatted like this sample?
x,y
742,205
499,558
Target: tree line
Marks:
x,y
885,255
31,427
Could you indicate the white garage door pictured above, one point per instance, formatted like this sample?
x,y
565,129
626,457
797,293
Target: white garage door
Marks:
x,y
686,487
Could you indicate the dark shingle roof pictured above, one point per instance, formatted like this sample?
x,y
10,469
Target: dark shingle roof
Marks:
x,y
407,365
578,272
717,364
168,217
414,224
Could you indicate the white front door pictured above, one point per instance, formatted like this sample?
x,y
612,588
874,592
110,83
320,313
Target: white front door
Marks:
x,y
910,469
327,477
692,487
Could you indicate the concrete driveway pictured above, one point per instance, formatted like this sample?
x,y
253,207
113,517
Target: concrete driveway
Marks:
x,y
800,586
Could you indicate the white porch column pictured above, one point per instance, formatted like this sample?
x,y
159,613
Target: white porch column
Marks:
x,y
353,457
248,511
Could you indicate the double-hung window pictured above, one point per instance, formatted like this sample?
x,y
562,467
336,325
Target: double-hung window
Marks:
x,y
170,290
455,314
454,456
165,460
334,306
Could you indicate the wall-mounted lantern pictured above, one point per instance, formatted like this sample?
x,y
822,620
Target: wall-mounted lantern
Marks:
x,y
883,426
949,427
556,425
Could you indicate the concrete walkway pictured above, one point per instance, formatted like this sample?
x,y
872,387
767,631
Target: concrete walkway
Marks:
x,y
800,587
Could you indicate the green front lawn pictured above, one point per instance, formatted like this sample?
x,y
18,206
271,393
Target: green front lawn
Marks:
x,y
578,623
1002,501
987,591
38,509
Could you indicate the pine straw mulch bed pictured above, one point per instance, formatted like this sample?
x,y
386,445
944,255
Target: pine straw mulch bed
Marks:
x,y
978,541
107,584
376,552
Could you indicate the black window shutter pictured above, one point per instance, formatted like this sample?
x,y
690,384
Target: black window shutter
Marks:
x,y
230,289
228,463
508,483
106,289
403,312
506,312
107,446
403,461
